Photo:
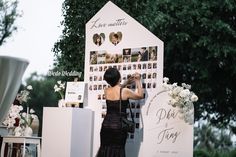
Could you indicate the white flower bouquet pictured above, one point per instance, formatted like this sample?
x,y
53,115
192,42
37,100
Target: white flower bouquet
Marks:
x,y
23,96
16,118
182,98
60,87
12,116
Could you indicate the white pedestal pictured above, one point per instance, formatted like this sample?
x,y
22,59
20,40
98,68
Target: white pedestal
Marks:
x,y
67,132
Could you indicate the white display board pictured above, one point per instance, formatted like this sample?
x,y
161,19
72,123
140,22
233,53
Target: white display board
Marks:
x,y
74,92
114,39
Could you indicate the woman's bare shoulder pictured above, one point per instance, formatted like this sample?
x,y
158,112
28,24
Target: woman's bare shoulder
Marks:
x,y
126,90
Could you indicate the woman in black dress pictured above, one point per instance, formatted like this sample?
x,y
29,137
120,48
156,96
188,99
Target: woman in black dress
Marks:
x,y
112,136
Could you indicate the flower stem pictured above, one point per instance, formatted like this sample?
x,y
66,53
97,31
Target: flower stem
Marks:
x,y
27,114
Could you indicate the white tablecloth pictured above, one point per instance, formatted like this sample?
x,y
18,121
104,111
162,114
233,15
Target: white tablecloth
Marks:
x,y
11,72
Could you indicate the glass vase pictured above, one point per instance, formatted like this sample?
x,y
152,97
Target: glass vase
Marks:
x,y
61,103
28,131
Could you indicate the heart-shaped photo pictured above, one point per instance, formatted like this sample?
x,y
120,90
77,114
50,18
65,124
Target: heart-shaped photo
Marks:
x,y
98,39
115,38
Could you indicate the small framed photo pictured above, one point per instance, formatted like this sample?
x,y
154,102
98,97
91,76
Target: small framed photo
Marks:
x,y
75,92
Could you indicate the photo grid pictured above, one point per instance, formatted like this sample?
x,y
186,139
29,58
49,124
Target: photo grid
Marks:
x,y
128,61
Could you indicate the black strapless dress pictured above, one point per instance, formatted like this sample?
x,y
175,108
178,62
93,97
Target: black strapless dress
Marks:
x,y
113,138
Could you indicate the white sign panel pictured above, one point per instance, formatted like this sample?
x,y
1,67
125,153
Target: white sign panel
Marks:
x,y
75,92
166,135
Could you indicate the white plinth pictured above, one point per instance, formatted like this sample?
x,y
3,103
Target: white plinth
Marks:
x,y
67,132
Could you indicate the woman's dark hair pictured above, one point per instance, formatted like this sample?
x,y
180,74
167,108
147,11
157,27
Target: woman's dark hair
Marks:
x,y
100,41
112,76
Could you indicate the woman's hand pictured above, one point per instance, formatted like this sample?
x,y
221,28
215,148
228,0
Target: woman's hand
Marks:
x,y
130,80
137,76
138,93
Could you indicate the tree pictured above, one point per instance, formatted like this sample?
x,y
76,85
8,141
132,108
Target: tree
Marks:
x,y
200,49
211,138
8,15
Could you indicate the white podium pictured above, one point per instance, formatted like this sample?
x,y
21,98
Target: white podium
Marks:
x,y
67,132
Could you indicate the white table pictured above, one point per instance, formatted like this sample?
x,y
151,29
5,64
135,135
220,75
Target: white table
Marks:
x,y
23,140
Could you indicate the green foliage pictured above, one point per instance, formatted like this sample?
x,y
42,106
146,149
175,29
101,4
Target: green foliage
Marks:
x,y
201,153
212,138
232,153
8,15
42,95
199,39
215,153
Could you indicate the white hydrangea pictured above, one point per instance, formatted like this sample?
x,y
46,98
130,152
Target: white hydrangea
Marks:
x,y
184,93
32,110
29,87
16,115
13,113
166,80
182,98
24,115
172,102
194,98
177,90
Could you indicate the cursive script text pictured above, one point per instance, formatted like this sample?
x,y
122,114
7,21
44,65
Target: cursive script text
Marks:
x,y
117,22
168,134
165,114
